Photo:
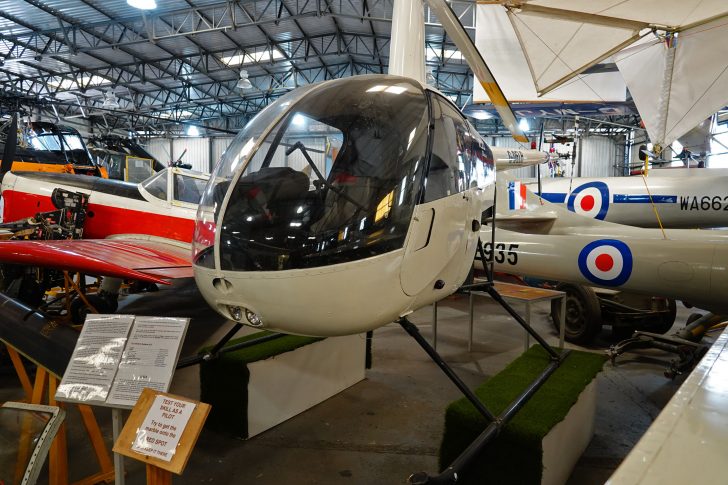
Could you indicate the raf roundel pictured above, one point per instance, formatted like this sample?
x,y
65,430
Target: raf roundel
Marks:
x,y
590,200
606,262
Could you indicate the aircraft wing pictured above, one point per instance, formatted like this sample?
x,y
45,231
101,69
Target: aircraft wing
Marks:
x,y
144,259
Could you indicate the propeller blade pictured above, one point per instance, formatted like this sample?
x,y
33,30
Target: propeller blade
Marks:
x,y
457,33
11,142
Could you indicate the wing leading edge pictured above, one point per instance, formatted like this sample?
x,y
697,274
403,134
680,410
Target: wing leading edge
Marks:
x,y
154,261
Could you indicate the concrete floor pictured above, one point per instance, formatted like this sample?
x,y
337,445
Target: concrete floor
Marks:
x,y
389,425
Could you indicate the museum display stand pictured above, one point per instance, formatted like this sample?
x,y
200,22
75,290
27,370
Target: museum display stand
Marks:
x,y
43,391
545,438
257,387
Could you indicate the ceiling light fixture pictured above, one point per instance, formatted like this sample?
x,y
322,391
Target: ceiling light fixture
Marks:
x,y
110,101
523,125
244,82
192,130
143,4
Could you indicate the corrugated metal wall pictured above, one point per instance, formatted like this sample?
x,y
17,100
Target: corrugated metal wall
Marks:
x,y
198,151
598,153
598,156
197,154
219,145
159,148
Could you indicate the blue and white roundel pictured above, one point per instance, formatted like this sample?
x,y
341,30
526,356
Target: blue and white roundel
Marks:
x,y
606,262
590,199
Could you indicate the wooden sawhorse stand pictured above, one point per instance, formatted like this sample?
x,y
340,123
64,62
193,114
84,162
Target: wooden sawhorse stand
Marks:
x,y
58,455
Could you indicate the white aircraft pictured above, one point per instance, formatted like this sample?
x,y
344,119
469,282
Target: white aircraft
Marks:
x,y
690,201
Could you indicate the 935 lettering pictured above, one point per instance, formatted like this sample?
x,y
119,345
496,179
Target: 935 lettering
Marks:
x,y
502,255
704,203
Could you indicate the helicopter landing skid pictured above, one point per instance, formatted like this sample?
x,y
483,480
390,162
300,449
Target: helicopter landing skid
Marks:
x,y
452,473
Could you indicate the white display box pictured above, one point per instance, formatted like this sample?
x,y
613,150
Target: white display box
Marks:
x,y
290,383
566,442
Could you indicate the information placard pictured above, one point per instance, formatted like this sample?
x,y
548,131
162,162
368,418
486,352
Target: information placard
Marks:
x,y
149,358
90,373
160,432
117,356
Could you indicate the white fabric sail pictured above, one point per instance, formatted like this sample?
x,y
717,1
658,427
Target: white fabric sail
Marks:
x,y
499,45
562,38
556,48
676,87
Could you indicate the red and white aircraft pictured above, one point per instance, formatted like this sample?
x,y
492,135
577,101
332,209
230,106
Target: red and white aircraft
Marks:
x,y
136,231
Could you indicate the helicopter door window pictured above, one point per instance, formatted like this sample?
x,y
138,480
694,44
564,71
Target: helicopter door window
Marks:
x,y
447,173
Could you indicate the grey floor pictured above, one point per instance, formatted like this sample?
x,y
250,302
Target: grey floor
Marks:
x,y
390,425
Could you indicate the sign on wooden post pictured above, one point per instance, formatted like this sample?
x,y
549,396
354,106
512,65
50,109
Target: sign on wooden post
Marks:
x,y
162,430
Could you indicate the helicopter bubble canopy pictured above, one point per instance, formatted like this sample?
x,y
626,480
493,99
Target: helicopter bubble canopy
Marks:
x,y
327,176
342,206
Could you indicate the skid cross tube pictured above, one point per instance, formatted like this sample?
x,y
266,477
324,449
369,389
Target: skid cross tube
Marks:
x,y
219,349
452,473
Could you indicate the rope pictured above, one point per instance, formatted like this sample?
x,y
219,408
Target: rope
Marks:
x,y
654,208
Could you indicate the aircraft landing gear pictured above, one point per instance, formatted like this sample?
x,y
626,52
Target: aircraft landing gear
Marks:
x,y
685,343
583,313
452,473
588,309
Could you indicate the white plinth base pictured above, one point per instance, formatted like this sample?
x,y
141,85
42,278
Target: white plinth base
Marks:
x,y
565,443
290,383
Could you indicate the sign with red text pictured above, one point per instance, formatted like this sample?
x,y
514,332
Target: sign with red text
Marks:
x,y
160,431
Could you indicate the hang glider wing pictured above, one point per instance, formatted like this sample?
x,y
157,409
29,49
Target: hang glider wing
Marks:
x,y
677,86
142,259
675,69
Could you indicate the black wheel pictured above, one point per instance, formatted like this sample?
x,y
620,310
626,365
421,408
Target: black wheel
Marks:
x,y
668,319
583,313
79,310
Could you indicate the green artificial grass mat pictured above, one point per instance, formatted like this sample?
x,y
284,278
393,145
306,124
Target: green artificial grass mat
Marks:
x,y
515,456
224,380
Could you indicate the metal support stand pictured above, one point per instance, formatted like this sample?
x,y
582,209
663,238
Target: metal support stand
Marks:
x,y
414,332
497,297
453,472
434,325
117,422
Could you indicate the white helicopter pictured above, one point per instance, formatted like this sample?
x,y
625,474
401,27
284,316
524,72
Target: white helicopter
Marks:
x,y
287,242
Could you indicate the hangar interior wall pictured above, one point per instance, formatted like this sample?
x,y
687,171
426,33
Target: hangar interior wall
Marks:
x,y
599,154
204,153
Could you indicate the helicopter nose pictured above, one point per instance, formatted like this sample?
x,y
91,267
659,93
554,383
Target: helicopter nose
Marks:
x,y
334,300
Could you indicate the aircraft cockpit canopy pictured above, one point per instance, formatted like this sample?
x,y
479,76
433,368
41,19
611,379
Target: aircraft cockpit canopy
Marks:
x,y
331,173
60,140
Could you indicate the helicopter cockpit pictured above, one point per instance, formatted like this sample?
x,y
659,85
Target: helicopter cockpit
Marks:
x,y
333,174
